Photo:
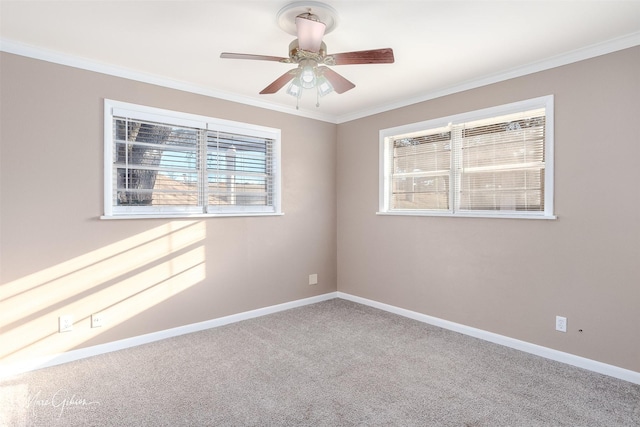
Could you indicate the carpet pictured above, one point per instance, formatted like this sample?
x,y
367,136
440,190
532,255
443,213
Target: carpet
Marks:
x,y
334,363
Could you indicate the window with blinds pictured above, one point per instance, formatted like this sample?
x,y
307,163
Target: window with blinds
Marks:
x,y
420,168
159,162
493,162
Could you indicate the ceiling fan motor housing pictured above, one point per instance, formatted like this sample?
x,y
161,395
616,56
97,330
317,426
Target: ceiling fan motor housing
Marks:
x,y
296,54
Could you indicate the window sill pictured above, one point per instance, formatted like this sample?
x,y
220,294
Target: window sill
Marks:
x,y
466,215
187,216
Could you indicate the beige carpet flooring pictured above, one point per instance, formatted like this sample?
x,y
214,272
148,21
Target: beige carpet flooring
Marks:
x,y
335,363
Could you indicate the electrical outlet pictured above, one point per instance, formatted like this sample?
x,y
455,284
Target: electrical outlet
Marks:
x,y
313,279
561,324
97,320
65,323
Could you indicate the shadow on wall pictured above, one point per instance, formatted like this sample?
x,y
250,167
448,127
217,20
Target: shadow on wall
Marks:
x,y
118,281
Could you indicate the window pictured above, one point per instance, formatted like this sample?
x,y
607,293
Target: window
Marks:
x,y
166,163
496,162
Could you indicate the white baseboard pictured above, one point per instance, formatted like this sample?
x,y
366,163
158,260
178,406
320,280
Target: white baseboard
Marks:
x,y
57,359
559,356
570,359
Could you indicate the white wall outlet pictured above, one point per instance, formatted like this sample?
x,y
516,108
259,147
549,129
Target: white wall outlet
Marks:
x,y
65,323
97,320
561,324
313,279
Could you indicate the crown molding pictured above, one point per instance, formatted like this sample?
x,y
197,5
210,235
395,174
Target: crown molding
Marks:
x,y
577,55
17,48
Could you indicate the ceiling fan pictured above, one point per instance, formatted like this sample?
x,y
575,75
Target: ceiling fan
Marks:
x,y
309,22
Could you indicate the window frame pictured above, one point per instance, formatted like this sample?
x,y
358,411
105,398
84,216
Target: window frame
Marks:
x,y
205,124
385,136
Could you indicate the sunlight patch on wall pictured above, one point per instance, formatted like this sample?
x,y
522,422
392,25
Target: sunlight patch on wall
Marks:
x,y
119,281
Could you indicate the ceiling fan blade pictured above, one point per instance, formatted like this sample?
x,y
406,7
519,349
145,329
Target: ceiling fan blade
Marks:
x,y
228,55
310,33
279,82
376,56
339,83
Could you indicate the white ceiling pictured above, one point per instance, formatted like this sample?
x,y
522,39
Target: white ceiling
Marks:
x,y
440,46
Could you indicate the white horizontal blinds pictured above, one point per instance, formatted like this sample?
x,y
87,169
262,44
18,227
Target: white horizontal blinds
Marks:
x,y
502,163
240,172
154,164
420,170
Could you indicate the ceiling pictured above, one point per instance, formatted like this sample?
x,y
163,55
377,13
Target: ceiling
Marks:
x,y
440,46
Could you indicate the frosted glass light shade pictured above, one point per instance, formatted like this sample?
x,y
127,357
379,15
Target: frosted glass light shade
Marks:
x,y
295,88
310,34
323,85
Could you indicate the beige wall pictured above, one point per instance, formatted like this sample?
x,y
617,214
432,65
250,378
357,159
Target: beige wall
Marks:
x,y
57,257
511,276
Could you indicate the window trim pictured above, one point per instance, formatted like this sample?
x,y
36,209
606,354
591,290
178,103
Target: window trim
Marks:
x,y
384,184
114,108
